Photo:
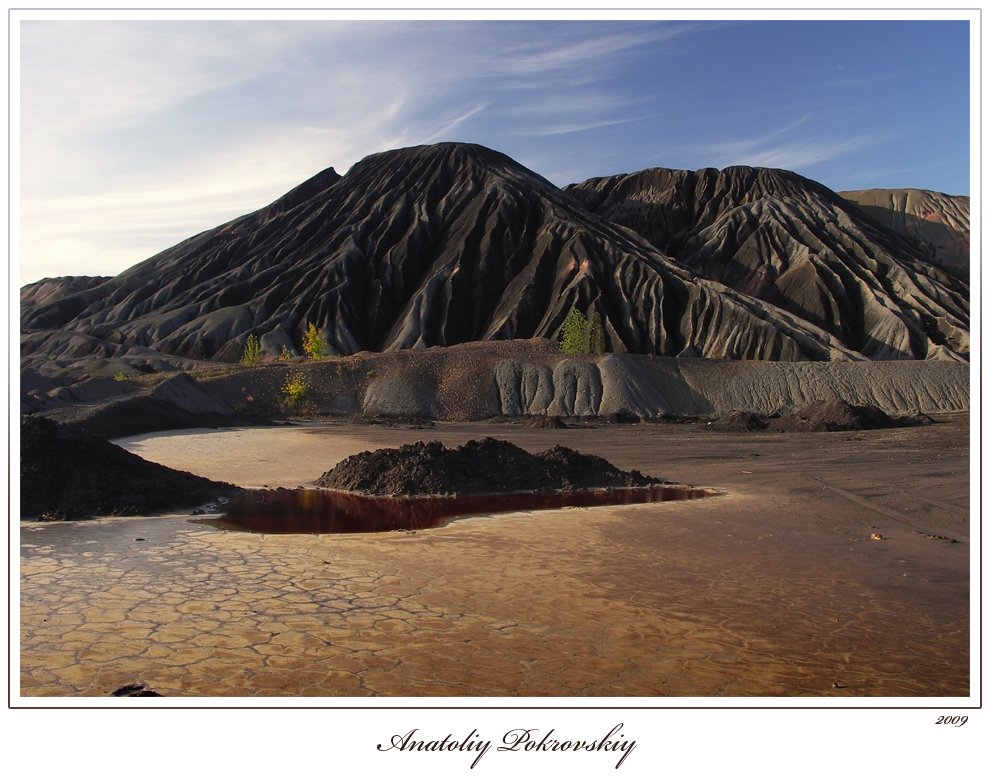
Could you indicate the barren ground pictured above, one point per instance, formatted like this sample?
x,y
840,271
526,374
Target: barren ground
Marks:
x,y
774,589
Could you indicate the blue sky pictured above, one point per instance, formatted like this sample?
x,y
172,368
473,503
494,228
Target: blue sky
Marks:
x,y
137,134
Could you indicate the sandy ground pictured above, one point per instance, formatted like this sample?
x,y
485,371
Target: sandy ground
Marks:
x,y
775,589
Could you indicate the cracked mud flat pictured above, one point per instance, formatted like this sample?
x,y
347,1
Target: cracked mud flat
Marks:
x,y
774,590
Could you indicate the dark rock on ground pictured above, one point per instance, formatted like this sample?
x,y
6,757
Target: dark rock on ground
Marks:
x,y
834,415
68,475
397,422
134,689
741,421
545,422
477,467
839,416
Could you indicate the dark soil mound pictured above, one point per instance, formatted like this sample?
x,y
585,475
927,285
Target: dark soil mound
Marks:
x,y
66,474
741,421
545,422
839,416
486,467
135,689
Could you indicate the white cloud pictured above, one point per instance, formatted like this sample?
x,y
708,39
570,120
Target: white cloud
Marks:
x,y
572,111
138,134
803,153
105,231
167,128
450,124
782,147
568,128
135,135
545,55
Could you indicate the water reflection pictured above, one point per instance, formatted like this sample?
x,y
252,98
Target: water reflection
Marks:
x,y
319,511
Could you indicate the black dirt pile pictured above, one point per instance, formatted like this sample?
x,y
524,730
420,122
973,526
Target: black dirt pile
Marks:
x,y
834,415
488,466
545,422
741,421
68,475
839,416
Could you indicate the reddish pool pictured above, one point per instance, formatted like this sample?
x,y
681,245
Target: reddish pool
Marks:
x,y
317,511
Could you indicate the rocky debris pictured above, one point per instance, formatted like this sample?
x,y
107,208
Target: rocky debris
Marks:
x,y
833,415
394,422
938,537
840,416
134,689
477,467
545,422
740,421
67,475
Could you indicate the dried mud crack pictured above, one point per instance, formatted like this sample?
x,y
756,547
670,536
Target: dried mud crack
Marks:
x,y
775,590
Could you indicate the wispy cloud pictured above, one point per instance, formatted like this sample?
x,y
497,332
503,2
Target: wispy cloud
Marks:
x,y
567,113
793,146
547,56
136,134
450,124
854,81
576,126
801,154
166,125
173,127
113,227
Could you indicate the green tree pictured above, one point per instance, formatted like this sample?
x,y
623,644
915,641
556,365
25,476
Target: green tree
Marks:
x,y
574,333
294,387
314,344
582,334
252,352
596,333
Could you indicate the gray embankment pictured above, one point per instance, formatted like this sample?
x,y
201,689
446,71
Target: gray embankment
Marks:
x,y
894,386
475,385
646,387
649,387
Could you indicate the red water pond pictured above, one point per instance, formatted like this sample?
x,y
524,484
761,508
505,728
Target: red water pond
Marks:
x,y
318,511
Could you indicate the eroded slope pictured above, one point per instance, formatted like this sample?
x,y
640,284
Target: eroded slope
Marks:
x,y
936,224
794,243
432,245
